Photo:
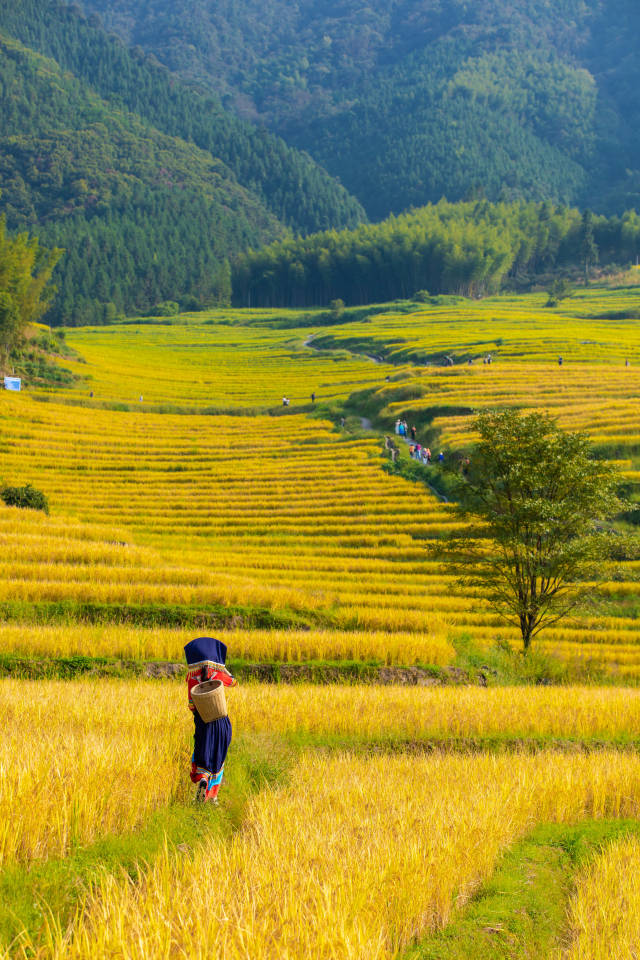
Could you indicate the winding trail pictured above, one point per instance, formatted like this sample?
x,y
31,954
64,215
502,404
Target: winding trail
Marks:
x,y
365,421
435,492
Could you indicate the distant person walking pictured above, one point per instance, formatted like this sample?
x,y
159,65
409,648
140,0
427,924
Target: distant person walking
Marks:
x,y
559,361
441,457
205,661
413,433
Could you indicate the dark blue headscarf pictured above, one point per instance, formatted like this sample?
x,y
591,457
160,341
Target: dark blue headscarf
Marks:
x,y
205,648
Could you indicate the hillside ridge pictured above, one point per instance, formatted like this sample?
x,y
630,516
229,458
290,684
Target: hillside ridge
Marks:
x,y
410,100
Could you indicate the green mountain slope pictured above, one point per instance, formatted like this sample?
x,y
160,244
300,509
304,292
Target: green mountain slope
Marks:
x,y
143,217
293,187
109,156
407,100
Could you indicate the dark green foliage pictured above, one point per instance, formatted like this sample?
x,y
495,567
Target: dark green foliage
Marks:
x,y
465,248
293,188
412,100
146,183
168,308
337,309
559,290
26,496
588,246
25,291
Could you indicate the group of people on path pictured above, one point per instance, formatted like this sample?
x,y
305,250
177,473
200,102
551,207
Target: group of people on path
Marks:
x,y
416,450
402,429
423,454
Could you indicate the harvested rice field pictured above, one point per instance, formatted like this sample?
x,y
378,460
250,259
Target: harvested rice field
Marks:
x,y
421,792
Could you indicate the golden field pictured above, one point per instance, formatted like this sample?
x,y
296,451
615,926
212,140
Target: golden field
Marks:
x,y
276,513
592,391
126,642
219,362
283,528
85,758
288,514
81,761
392,845
605,907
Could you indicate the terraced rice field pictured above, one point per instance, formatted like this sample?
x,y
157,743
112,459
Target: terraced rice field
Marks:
x,y
593,390
287,514
212,362
279,514
357,821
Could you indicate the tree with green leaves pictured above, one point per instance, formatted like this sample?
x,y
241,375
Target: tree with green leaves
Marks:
x,y
534,499
588,246
25,291
559,289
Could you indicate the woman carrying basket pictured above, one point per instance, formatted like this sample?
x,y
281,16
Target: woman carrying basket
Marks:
x,y
205,661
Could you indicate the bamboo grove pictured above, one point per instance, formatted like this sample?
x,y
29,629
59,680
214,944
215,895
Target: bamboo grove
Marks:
x,y
464,248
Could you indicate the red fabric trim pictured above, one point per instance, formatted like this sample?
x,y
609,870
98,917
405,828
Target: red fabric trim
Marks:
x,y
194,677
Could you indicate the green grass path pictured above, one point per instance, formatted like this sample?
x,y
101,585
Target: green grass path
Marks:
x,y
521,913
33,895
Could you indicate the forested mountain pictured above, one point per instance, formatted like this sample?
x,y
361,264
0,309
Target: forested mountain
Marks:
x,y
409,100
147,184
460,248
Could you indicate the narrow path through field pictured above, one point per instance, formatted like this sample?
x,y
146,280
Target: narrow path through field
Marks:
x,y
522,911
33,892
435,492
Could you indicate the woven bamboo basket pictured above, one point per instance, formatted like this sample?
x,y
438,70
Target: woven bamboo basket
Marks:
x,y
209,700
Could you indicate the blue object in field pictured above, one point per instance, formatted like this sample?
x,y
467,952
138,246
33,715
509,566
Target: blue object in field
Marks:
x,y
205,648
12,383
210,740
